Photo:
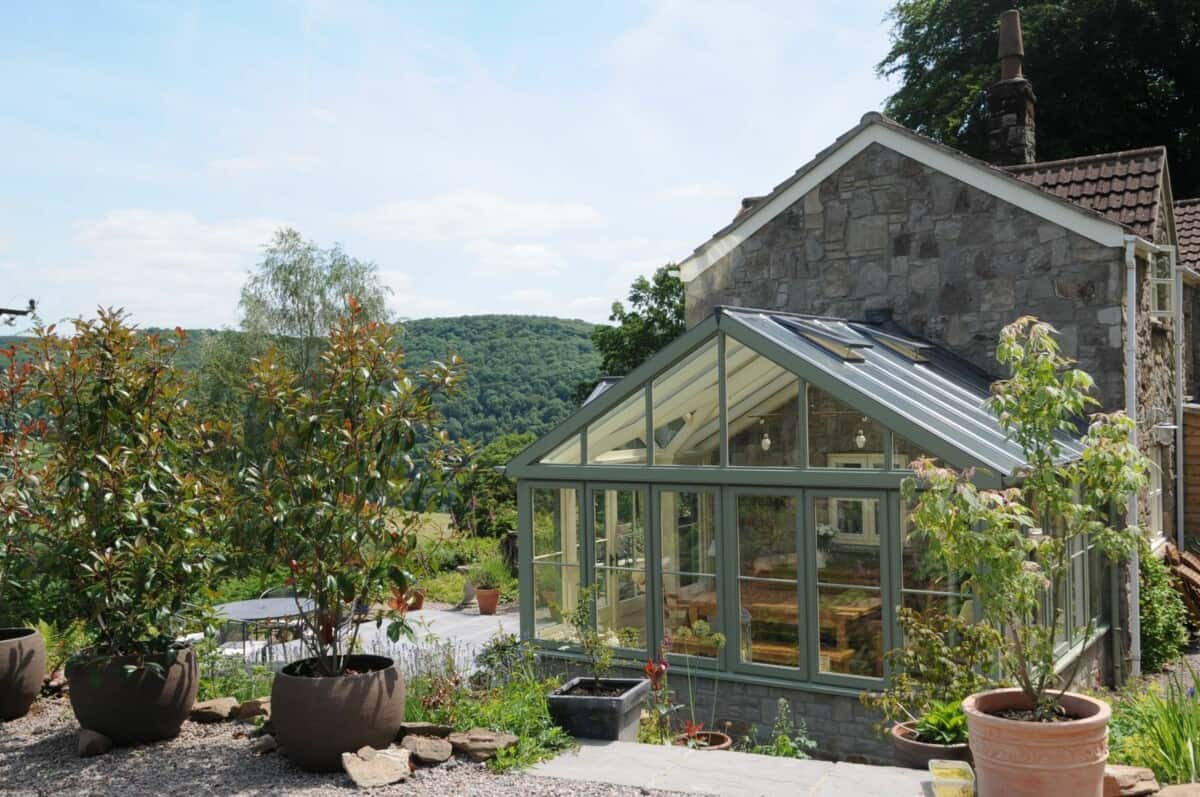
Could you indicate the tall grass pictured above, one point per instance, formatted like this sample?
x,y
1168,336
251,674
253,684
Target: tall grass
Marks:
x,y
1160,729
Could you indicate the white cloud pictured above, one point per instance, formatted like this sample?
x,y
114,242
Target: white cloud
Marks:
x,y
472,214
251,165
164,267
501,258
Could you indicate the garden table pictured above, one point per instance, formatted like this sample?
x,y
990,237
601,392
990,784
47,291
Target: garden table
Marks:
x,y
270,613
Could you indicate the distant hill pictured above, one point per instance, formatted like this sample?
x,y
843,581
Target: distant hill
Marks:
x,y
520,369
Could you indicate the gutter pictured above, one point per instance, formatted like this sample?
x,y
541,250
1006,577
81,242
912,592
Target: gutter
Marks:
x,y
1131,510
1180,339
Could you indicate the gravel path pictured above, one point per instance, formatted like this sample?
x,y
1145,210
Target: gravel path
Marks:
x,y
38,756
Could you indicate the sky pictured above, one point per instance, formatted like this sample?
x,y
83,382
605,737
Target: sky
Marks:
x,y
491,157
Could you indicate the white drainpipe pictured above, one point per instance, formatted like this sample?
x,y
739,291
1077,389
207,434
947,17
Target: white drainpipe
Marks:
x,y
1131,512
1180,340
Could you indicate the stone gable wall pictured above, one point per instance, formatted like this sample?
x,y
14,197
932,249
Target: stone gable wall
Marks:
x,y
951,263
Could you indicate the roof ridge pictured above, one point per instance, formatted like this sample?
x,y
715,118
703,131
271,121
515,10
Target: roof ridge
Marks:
x,y
1192,201
1084,158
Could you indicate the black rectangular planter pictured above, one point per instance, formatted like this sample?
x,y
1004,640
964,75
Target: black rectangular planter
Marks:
x,y
586,717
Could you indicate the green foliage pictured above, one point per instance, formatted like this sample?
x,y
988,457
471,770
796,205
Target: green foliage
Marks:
x,y
787,739
300,290
330,485
490,573
1010,545
942,660
446,587
486,503
655,318
62,642
249,586
943,723
591,643
514,699
121,506
230,676
1164,616
1090,62
1158,729
522,370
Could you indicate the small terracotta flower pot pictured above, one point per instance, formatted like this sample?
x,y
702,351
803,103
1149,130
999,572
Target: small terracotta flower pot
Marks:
x,y
908,752
1015,758
488,600
706,740
416,600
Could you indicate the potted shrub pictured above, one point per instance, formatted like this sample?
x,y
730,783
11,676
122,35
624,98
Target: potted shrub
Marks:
x,y
346,463
488,576
941,662
125,514
22,649
1010,545
596,706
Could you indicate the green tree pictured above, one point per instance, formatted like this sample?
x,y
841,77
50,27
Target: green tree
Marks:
x,y
487,500
655,318
300,290
1109,75
1011,545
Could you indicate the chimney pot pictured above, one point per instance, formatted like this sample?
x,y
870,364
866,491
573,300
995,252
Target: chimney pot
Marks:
x,y
1012,48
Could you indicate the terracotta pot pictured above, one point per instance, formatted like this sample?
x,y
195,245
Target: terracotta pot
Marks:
x,y
416,600
318,719
137,707
488,600
706,740
22,670
908,752
1028,759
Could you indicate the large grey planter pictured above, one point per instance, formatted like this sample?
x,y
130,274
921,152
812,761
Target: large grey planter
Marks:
x,y
613,718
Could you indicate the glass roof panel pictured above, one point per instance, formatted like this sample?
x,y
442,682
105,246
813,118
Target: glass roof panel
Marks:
x,y
618,437
687,410
763,409
570,452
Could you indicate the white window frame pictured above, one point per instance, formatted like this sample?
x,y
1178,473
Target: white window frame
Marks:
x,y
1158,280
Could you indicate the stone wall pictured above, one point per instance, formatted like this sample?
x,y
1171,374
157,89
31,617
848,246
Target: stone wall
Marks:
x,y
843,728
951,264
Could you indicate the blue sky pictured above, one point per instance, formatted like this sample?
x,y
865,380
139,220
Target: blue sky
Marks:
x,y
490,157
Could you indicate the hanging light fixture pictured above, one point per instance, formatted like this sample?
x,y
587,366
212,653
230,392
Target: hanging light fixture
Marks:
x,y
765,442
860,439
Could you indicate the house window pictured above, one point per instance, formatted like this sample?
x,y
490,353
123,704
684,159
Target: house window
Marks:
x,y
1154,498
556,561
1162,285
768,573
619,529
849,598
688,545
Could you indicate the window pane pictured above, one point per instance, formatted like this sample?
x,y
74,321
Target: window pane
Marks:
x,y
840,436
935,603
555,595
568,453
556,525
687,422
620,534
688,539
1079,593
919,569
769,624
851,627
766,528
1162,297
847,540
618,438
763,409
904,452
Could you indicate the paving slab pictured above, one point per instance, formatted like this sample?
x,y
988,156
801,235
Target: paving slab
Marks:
x,y
727,773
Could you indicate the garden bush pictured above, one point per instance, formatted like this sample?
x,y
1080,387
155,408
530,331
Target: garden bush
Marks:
x,y
230,676
1164,616
1159,729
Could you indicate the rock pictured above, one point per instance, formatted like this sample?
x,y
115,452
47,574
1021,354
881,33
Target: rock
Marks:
x,y
480,744
258,707
423,729
263,745
427,749
1122,781
216,710
92,743
369,768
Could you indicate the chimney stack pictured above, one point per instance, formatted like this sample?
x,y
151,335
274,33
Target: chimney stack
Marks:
x,y
1011,139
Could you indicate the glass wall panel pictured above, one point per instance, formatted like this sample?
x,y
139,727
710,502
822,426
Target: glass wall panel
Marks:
x,y
619,518
763,410
687,411
768,569
688,541
849,593
568,453
926,585
618,438
840,436
904,452
557,550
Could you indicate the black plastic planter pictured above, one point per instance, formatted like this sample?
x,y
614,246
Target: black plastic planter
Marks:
x,y
587,717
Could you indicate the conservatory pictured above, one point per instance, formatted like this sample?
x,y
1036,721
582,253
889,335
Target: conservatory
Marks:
x,y
737,501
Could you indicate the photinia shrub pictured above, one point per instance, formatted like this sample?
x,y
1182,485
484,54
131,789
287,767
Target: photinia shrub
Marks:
x,y
344,466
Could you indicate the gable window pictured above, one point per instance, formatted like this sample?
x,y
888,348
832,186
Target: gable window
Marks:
x,y
763,408
1162,284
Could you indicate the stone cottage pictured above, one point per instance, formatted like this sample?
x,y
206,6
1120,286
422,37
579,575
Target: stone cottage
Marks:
x,y
735,499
